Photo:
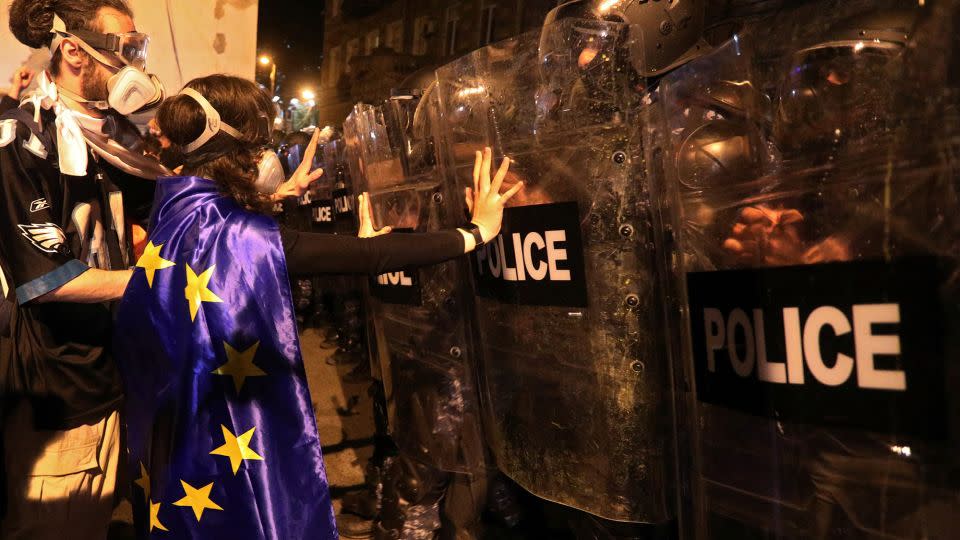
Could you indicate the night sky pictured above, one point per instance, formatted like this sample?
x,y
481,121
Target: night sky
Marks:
x,y
291,32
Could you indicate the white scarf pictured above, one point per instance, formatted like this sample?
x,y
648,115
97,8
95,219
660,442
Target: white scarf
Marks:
x,y
71,145
78,133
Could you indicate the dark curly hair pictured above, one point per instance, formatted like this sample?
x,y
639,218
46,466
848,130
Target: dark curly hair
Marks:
x,y
31,20
229,162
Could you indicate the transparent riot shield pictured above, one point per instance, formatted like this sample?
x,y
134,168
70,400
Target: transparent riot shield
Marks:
x,y
418,314
576,382
805,168
320,197
316,207
346,292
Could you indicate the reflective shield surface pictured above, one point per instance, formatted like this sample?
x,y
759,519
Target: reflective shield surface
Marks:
x,y
418,314
808,168
576,383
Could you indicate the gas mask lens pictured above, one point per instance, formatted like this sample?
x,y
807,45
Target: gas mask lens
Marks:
x,y
132,48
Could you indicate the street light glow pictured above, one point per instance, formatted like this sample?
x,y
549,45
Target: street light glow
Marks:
x,y
308,94
265,60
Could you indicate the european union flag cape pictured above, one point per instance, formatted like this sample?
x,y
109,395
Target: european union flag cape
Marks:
x,y
220,427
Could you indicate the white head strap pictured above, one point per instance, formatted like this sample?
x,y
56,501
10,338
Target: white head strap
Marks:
x,y
213,124
60,32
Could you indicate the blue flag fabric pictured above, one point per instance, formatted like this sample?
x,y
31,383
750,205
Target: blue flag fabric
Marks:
x,y
221,430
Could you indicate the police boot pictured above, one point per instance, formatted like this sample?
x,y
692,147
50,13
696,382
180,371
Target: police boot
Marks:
x,y
366,503
503,503
411,501
463,505
389,524
303,295
355,527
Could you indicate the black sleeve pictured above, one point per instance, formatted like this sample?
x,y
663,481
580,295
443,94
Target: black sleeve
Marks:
x,y
32,244
7,103
313,253
137,192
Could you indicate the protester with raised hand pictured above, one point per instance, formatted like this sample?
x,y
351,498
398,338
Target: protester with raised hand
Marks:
x,y
21,80
219,416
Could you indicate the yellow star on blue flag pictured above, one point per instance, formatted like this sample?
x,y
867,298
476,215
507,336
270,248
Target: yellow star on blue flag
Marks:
x,y
198,290
151,261
197,499
194,371
144,481
155,516
237,449
240,365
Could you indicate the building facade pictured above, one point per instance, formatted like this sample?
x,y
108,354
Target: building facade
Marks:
x,y
371,46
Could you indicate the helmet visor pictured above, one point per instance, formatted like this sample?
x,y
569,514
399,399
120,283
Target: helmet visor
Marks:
x,y
837,89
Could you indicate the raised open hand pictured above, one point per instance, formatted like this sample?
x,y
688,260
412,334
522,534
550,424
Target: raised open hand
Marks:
x,y
367,229
484,200
300,180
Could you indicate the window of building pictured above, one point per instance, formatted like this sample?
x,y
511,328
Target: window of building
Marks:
x,y
423,29
488,24
371,41
453,21
333,66
353,47
394,38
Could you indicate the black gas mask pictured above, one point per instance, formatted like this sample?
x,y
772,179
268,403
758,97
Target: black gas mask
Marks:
x,y
720,144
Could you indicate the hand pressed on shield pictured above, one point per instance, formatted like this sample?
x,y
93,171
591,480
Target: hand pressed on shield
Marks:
x,y
764,236
366,219
484,200
832,249
300,180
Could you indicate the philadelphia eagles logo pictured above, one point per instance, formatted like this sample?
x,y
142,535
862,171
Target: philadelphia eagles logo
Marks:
x,y
47,237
